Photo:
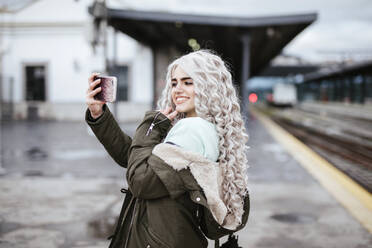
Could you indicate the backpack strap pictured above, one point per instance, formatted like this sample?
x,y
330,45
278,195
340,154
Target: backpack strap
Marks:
x,y
217,243
232,242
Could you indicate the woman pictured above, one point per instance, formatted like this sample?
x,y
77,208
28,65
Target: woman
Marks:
x,y
177,175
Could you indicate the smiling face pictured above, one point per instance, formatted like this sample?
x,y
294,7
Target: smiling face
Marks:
x,y
183,93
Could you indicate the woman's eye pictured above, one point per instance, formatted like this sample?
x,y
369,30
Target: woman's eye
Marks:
x,y
173,84
188,83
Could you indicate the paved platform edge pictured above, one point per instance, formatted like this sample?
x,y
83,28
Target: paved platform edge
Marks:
x,y
351,195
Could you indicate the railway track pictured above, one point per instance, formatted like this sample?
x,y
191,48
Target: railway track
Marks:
x,y
348,148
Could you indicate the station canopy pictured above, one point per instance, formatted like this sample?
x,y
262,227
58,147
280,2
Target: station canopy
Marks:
x,y
224,34
339,71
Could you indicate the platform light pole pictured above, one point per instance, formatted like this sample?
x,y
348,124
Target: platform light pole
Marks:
x,y
114,66
100,13
246,43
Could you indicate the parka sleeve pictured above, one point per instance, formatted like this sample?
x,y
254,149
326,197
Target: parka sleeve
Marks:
x,y
108,132
143,181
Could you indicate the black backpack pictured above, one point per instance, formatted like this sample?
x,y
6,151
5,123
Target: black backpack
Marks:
x,y
215,231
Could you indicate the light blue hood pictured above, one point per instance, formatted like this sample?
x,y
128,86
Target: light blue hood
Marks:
x,y
197,135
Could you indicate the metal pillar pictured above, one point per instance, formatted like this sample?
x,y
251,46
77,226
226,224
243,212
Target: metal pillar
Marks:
x,y
338,90
246,40
114,64
363,89
342,89
351,89
154,76
104,24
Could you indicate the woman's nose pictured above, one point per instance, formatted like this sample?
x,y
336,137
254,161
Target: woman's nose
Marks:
x,y
179,87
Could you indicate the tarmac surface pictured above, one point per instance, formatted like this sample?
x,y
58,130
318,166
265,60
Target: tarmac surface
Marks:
x,y
59,188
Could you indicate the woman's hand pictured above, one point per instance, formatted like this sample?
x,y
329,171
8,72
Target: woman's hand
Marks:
x,y
95,106
168,113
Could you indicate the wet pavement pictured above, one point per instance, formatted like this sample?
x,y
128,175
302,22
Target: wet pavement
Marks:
x,y
55,149
59,188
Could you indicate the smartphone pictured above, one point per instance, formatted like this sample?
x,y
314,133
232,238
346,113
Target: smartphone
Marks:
x,y
108,86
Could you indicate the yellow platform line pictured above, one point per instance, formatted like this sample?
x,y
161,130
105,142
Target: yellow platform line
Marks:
x,y
351,195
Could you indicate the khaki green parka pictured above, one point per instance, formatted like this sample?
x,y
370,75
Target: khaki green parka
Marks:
x,y
166,201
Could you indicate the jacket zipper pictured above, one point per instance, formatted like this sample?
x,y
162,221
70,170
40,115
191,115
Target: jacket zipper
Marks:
x,y
153,124
131,223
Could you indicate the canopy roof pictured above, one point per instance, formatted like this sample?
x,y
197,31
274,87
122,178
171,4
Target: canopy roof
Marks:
x,y
364,67
268,35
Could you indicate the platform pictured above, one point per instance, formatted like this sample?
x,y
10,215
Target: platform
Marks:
x,y
290,208
59,189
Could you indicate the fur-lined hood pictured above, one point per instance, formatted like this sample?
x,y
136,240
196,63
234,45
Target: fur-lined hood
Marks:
x,y
206,173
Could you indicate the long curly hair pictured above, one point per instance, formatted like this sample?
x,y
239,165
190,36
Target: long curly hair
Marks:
x,y
216,101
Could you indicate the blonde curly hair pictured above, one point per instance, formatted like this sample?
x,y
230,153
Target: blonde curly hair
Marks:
x,y
216,101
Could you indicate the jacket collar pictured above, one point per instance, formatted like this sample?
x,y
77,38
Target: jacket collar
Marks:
x,y
206,173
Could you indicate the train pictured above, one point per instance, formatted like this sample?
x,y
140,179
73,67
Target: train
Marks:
x,y
283,95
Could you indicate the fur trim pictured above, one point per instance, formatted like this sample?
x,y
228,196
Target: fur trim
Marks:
x,y
205,172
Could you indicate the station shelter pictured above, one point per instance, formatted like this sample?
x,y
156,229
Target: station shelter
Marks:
x,y
247,44
345,83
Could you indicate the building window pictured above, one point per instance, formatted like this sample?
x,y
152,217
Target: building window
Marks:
x,y
122,74
35,83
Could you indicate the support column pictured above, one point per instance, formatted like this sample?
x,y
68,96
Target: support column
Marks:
x,y
246,53
154,76
351,89
363,89
161,57
114,64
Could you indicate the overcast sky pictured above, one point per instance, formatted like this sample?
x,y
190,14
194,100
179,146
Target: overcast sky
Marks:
x,y
343,27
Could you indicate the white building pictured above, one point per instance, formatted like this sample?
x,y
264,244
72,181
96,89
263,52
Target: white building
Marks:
x,y
46,57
